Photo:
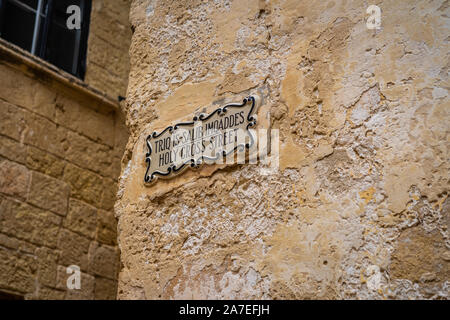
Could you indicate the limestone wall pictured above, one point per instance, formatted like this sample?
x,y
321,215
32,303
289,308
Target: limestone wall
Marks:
x,y
61,146
109,40
359,207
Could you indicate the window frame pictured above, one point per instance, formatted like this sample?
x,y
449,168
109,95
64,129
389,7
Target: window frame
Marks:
x,y
41,32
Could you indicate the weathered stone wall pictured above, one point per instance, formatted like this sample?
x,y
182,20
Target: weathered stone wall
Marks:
x,y
359,207
108,63
60,153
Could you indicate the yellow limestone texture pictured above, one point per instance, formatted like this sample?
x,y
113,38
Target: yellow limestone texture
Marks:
x,y
359,207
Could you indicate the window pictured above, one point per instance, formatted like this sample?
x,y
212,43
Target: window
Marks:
x,y
39,26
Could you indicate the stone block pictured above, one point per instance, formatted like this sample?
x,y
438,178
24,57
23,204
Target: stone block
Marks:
x,y
29,223
13,150
88,154
109,194
14,179
105,289
78,116
43,100
28,247
45,293
87,285
85,185
82,218
9,242
106,27
103,260
18,271
47,266
12,84
44,162
106,228
99,77
74,249
12,121
49,193
86,292
121,135
112,58
44,134
18,89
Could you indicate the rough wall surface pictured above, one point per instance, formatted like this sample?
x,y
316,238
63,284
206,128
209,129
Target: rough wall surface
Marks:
x,y
109,40
60,154
359,207
59,164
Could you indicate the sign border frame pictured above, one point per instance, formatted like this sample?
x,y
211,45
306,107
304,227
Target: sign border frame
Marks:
x,y
251,118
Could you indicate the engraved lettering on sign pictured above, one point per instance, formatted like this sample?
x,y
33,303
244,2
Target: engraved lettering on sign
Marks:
x,y
206,139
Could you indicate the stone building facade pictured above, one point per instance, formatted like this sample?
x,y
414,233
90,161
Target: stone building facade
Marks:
x,y
61,144
359,207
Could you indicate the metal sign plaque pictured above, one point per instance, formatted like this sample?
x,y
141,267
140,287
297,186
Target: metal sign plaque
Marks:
x,y
207,139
